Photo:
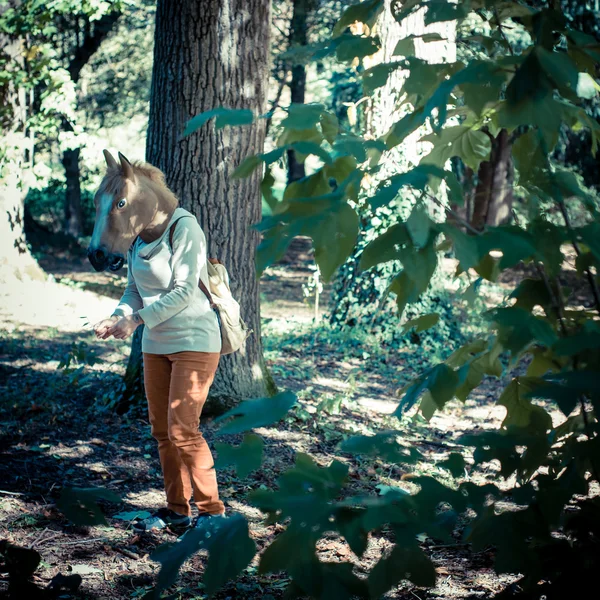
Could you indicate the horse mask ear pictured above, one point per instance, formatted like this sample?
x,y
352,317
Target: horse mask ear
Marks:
x,y
111,163
127,167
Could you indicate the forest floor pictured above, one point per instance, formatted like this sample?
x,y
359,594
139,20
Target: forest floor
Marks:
x,y
58,427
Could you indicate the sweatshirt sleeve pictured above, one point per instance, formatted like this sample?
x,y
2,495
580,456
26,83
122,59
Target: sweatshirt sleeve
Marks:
x,y
189,253
130,300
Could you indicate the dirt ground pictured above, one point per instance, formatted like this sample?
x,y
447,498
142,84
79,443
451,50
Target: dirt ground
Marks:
x,y
58,428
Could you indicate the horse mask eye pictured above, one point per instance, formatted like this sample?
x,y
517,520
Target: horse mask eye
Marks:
x,y
121,203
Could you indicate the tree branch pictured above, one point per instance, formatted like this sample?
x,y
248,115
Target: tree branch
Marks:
x,y
91,43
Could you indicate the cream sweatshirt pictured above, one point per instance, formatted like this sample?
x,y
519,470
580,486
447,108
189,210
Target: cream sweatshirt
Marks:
x,y
163,287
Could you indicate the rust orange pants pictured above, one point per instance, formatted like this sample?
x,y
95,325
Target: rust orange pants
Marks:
x,y
176,387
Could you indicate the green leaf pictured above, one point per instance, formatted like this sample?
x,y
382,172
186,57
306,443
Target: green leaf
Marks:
x,y
590,236
525,325
520,412
478,96
418,225
404,127
224,117
405,46
441,381
247,457
466,353
80,505
329,126
303,116
516,244
377,76
466,247
334,239
260,412
312,148
289,136
442,10
383,445
566,388
417,178
404,562
292,551
364,12
354,46
357,146
385,247
229,552
422,323
560,70
229,546
472,146
455,463
246,167
419,264
341,169
266,188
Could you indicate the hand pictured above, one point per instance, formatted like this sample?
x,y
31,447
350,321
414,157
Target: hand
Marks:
x,y
124,327
101,328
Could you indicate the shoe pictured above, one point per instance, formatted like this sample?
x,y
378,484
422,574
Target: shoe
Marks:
x,y
161,519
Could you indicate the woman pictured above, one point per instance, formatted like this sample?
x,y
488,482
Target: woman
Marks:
x,y
181,341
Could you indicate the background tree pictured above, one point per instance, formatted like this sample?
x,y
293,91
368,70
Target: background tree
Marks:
x,y
206,55
89,34
355,291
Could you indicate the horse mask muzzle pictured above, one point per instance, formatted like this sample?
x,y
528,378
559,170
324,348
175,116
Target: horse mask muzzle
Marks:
x,y
101,259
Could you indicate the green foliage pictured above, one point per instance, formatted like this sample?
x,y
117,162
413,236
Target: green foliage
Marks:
x,y
256,413
229,547
542,340
247,457
80,505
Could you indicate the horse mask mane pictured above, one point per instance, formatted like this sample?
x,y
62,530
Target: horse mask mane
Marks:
x,y
132,199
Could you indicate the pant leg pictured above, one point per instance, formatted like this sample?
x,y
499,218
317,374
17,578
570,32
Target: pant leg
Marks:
x,y
191,377
157,384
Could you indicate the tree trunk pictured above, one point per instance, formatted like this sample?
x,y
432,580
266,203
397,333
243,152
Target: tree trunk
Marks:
x,y
16,262
382,110
493,198
134,375
73,217
298,37
93,37
211,53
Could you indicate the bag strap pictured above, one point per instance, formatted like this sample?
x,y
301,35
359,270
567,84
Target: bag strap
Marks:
x,y
200,282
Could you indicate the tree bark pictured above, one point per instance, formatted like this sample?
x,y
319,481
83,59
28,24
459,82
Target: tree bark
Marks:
x,y
298,37
211,53
73,215
134,375
493,198
16,262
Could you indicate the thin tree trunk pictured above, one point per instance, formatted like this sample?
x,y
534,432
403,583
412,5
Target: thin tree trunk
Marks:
x,y
211,53
134,375
86,48
73,216
493,197
298,37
